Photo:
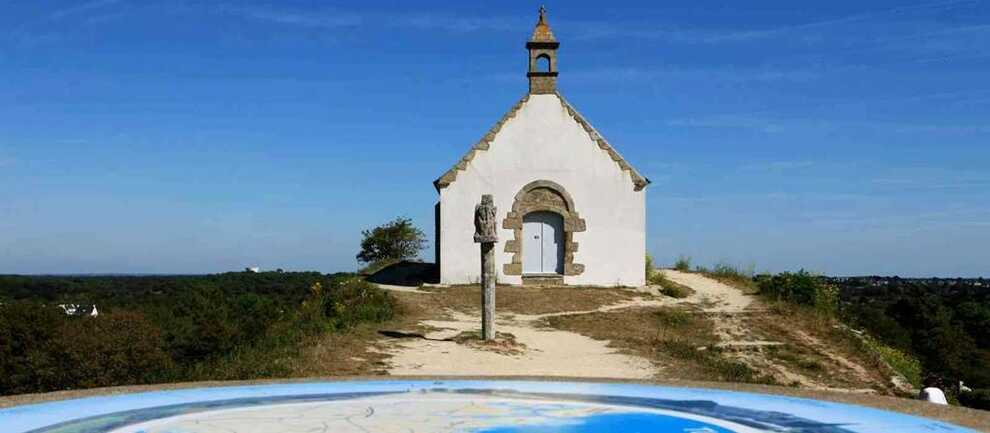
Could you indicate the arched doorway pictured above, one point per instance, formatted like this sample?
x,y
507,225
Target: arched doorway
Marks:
x,y
543,243
538,198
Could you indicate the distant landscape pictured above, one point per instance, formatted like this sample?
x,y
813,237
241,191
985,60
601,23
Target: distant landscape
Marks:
x,y
245,325
944,322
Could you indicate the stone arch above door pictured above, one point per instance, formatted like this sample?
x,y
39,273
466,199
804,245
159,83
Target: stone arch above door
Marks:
x,y
542,195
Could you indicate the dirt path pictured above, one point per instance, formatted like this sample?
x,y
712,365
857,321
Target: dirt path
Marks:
x,y
439,337
528,347
524,347
711,295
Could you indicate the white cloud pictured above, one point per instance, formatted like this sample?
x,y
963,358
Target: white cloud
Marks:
x,y
82,8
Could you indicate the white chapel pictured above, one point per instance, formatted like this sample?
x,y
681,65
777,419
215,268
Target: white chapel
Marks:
x,y
571,210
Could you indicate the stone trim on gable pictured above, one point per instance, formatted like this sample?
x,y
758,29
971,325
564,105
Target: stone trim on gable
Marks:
x,y
542,195
639,182
450,175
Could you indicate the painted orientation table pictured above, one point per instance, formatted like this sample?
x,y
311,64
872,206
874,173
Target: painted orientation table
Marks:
x,y
483,406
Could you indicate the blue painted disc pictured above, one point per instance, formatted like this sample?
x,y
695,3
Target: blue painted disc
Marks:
x,y
455,406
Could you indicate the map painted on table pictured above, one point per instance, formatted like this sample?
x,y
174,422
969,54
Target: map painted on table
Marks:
x,y
454,406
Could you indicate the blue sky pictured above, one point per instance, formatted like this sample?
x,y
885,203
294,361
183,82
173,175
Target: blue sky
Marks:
x,y
179,136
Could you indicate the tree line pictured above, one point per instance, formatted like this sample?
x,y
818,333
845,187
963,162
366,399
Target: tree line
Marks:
x,y
154,329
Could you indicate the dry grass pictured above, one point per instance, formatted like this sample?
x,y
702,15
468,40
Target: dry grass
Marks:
x,y
350,352
818,348
739,278
680,341
520,300
353,352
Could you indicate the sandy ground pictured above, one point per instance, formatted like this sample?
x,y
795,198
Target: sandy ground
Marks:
x,y
533,351
713,296
524,347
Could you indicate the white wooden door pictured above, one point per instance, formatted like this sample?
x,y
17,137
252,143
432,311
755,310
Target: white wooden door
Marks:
x,y
532,244
543,243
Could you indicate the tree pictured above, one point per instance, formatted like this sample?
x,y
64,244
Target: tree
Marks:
x,y
396,240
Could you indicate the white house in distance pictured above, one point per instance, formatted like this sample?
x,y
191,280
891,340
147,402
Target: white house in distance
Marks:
x,y
571,210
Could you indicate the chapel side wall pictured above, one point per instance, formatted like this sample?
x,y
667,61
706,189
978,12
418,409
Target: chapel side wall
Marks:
x,y
543,142
436,233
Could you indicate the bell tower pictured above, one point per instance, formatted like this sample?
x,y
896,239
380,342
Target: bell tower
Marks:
x,y
542,48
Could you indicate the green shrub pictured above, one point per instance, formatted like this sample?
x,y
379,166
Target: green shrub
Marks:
x,y
731,275
27,361
727,271
683,263
900,361
112,349
800,288
358,301
976,399
42,349
649,267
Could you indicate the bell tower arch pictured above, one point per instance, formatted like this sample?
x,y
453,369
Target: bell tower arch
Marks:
x,y
542,47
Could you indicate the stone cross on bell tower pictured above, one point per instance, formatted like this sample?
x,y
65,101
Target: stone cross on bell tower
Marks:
x,y
542,48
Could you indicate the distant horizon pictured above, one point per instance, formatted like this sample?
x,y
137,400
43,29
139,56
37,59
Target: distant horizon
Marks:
x,y
846,138
138,274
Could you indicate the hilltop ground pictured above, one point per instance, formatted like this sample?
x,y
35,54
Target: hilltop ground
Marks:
x,y
717,333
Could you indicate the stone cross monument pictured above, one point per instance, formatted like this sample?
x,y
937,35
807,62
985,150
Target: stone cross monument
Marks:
x,y
485,234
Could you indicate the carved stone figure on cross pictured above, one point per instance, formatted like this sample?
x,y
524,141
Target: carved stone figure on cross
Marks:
x,y
484,220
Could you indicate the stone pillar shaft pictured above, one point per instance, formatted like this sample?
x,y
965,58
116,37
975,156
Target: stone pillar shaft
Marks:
x,y
488,291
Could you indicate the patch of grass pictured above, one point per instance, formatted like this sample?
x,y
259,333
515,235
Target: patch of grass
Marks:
x,y
674,318
811,364
682,341
796,356
670,288
739,278
520,300
683,263
342,353
712,361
